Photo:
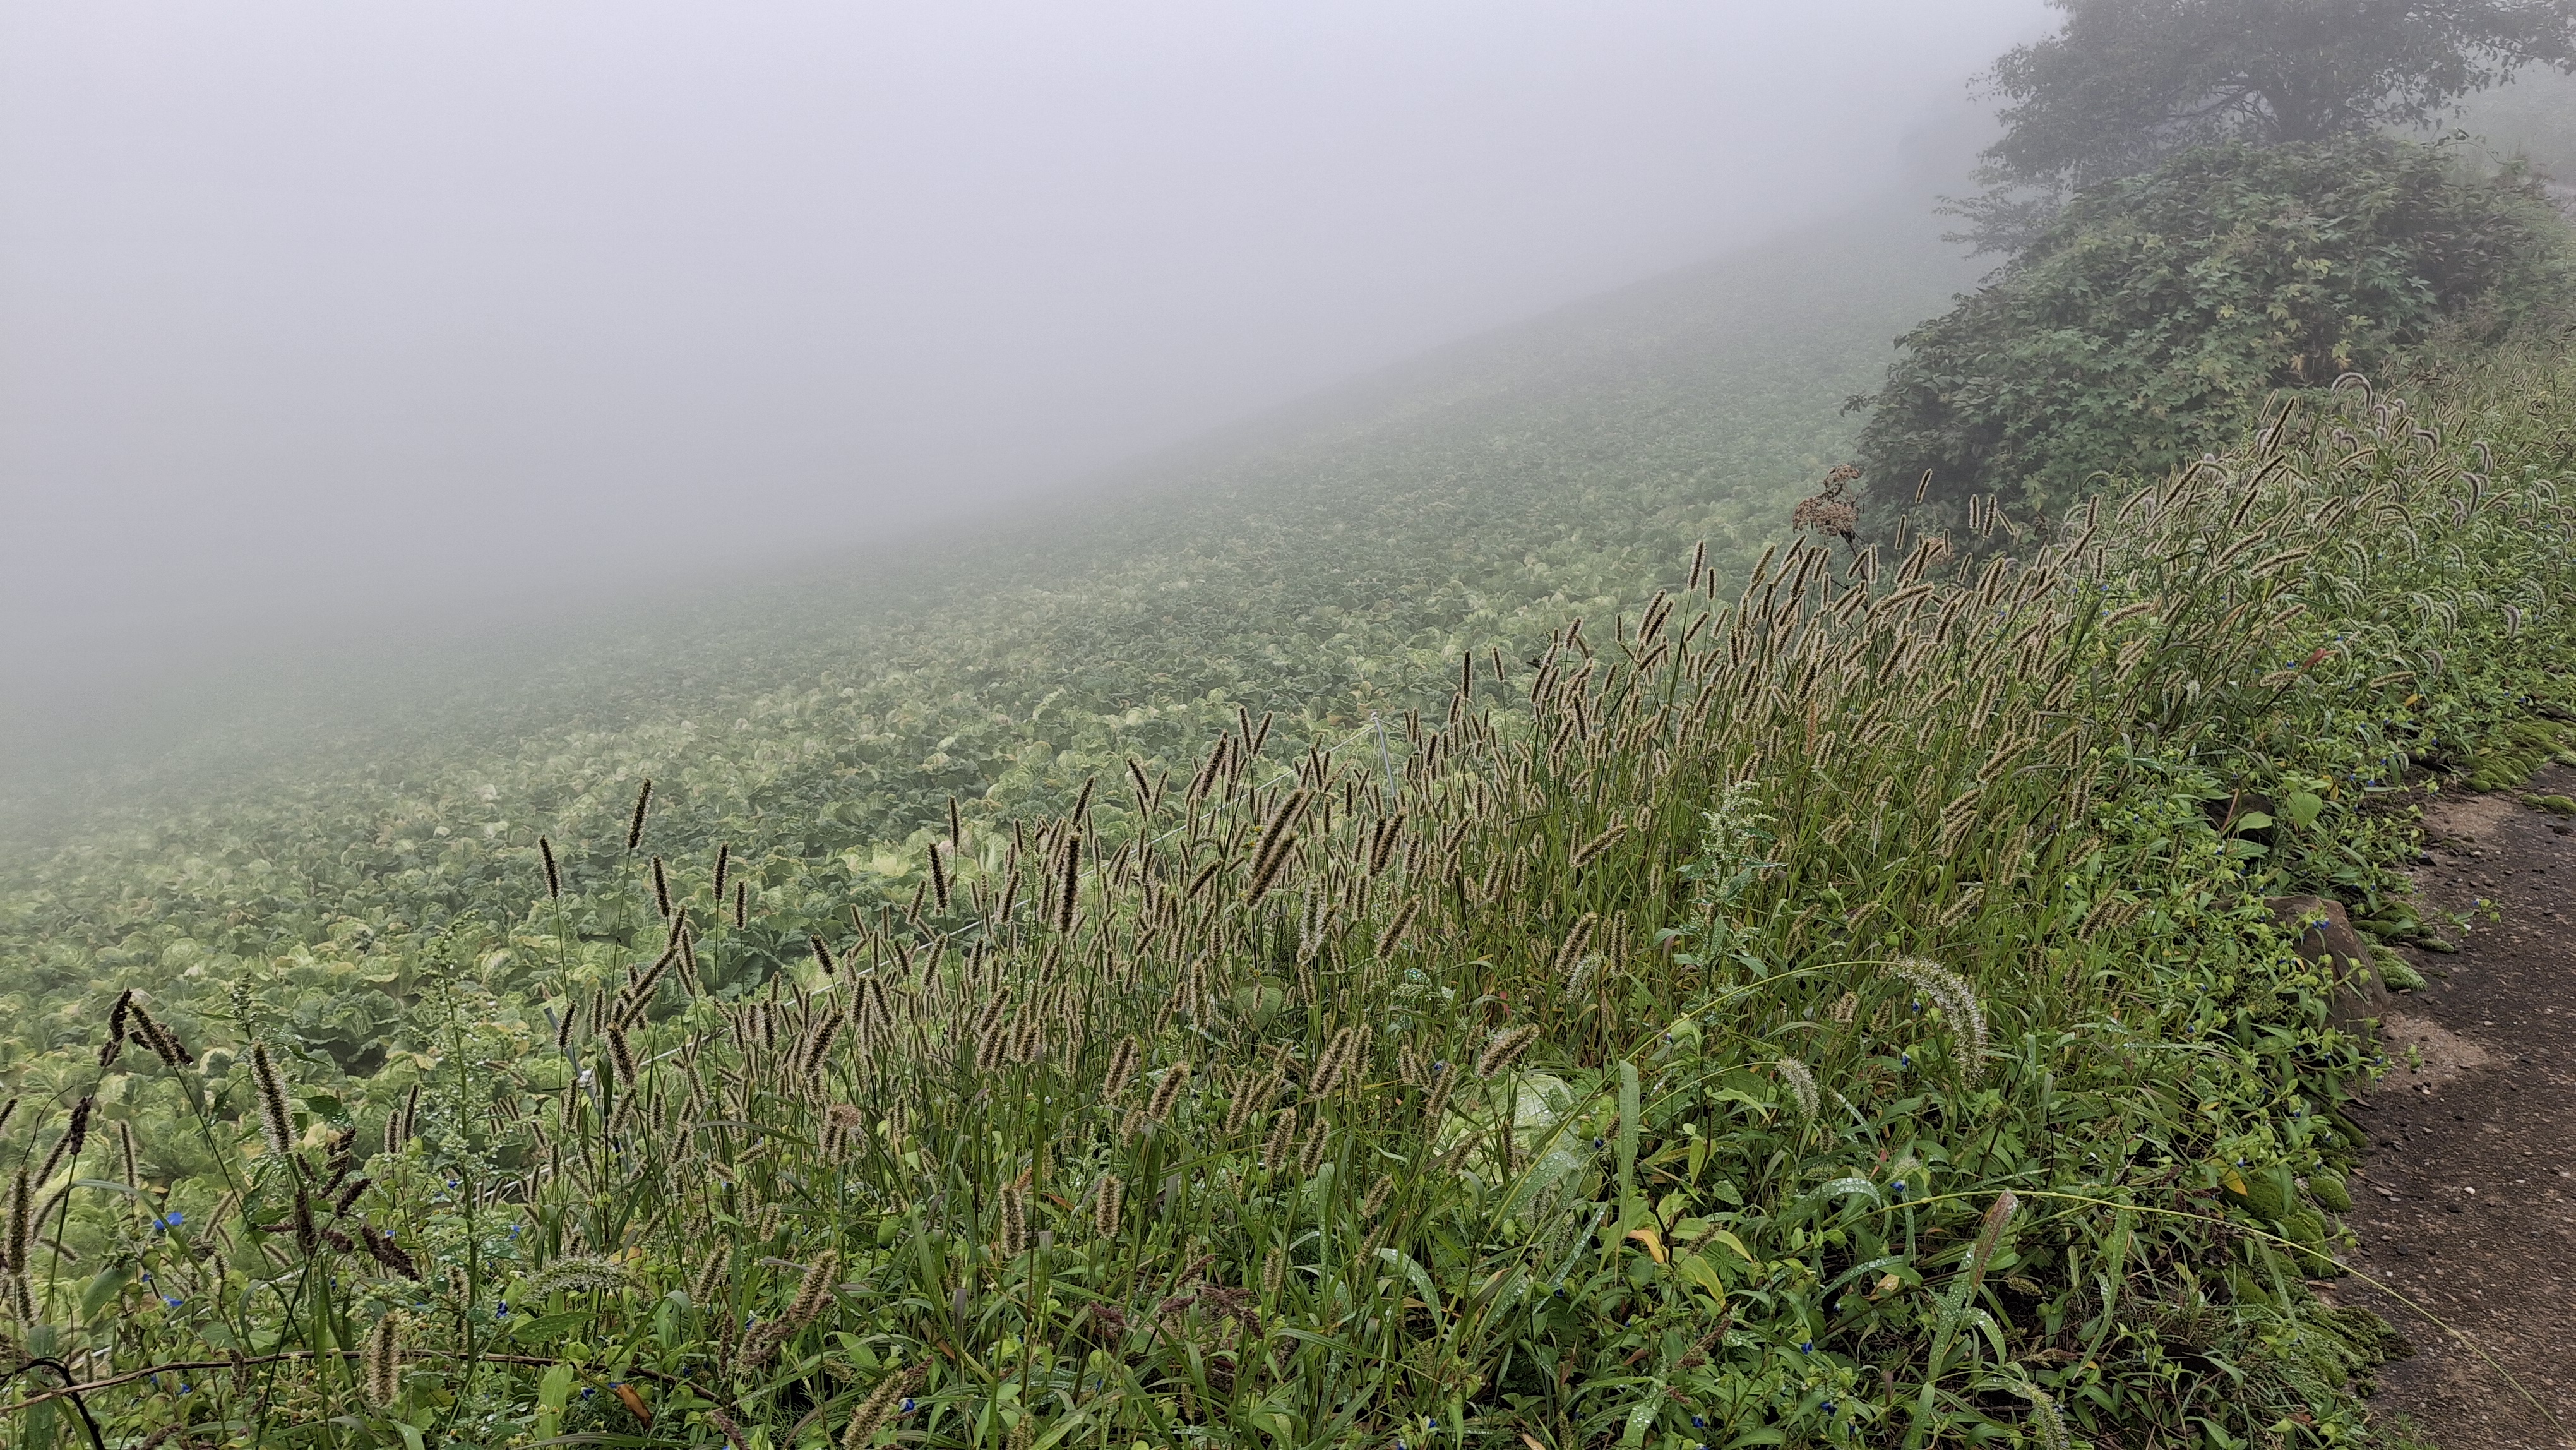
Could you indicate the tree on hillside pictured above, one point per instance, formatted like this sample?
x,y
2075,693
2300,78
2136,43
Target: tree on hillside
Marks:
x,y
2124,84
2150,318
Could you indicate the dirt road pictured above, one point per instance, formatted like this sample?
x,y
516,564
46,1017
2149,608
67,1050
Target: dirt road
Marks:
x,y
2466,1203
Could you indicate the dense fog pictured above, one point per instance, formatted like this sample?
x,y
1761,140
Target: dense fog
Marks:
x,y
319,319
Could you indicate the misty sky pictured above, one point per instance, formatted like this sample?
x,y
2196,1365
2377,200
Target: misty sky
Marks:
x,y
316,315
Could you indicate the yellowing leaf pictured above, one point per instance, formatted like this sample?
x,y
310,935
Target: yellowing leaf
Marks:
x,y
1653,1241
1696,1270
1721,1236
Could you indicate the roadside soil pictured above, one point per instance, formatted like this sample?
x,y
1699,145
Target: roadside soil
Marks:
x,y
2466,1201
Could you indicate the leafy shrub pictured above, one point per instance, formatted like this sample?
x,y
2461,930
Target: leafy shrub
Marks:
x,y
2150,319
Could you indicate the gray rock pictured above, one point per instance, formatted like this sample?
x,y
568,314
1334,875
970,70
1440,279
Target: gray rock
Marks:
x,y
2325,937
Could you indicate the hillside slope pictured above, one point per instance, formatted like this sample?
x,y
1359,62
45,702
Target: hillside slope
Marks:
x,y
1323,563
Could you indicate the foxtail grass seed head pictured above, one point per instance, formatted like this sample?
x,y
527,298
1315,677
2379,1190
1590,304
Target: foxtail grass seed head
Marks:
x,y
1578,977
1123,1062
1504,1049
724,862
621,1056
2044,1414
1168,1091
635,823
158,1036
1958,1003
741,903
1311,1158
822,954
661,889
1591,850
1801,1084
1389,939
1990,1234
1435,1106
384,1361
1274,1273
1108,1205
1070,885
1328,1068
554,876
1240,1112
713,1273
1011,1234
813,1291
1266,867
274,1123
116,1027
1572,951
75,1137
1378,1194
18,1227
1963,908
1199,882
843,1125
992,1046
1283,1136
818,1048
938,877
1389,830
880,1406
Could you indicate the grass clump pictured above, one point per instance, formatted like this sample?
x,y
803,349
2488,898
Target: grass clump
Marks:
x,y
1821,1011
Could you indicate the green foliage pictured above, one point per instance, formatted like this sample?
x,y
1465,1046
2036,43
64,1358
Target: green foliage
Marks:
x,y
2507,758
1830,1015
2151,318
2126,83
